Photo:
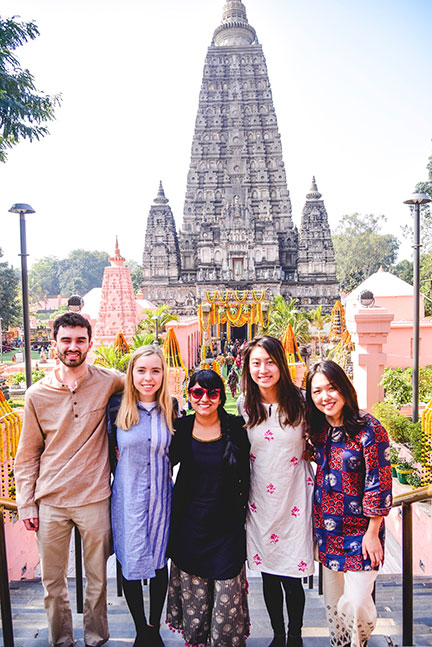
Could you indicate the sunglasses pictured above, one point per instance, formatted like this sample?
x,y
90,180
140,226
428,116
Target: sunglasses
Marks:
x,y
198,392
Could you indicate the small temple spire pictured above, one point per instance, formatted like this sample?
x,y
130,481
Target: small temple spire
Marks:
x,y
313,194
234,31
117,259
160,198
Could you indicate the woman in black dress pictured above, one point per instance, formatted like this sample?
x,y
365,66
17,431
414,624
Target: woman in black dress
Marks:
x,y
207,597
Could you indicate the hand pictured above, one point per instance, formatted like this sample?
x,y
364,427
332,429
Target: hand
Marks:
x,y
372,548
31,524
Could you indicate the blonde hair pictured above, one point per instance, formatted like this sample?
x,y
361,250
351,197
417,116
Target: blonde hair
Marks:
x,y
128,412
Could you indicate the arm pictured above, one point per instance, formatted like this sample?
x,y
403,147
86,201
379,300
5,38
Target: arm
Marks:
x,y
371,544
377,497
27,465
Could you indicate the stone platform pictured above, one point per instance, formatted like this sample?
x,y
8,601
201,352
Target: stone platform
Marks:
x,y
30,626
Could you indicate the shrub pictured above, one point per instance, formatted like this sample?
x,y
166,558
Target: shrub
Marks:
x,y
20,378
397,425
414,479
415,440
397,386
394,455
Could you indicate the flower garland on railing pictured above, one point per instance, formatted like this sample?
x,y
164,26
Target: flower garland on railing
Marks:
x,y
292,352
174,361
10,429
337,322
426,446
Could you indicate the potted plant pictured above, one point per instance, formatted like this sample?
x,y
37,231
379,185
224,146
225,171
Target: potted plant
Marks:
x,y
403,468
394,458
414,479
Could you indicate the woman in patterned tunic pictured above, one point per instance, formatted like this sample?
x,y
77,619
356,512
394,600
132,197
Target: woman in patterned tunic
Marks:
x,y
207,595
140,431
279,519
351,498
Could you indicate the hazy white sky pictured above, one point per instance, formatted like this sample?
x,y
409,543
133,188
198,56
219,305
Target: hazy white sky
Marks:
x,y
351,87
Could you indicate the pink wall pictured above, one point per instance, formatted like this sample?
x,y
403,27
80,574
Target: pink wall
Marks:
x,y
22,553
187,333
399,344
422,530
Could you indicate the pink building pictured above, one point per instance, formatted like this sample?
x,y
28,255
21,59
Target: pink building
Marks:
x,y
118,308
397,297
188,337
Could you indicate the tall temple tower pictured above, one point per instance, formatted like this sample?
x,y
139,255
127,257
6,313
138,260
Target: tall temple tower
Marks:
x,y
237,229
316,267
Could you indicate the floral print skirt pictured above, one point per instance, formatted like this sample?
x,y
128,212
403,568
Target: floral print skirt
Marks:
x,y
209,613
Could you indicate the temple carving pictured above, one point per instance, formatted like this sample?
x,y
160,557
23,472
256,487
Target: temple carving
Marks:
x,y
237,230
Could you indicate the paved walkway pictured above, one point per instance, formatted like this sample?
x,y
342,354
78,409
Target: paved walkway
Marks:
x,y
31,628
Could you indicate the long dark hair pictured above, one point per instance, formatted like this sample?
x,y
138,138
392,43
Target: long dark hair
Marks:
x,y
352,418
289,397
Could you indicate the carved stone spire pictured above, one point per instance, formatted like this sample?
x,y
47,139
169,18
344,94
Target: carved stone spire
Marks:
x,y
316,263
160,198
313,194
117,260
234,30
161,259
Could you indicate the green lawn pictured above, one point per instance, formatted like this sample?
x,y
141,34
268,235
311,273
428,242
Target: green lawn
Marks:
x,y
7,357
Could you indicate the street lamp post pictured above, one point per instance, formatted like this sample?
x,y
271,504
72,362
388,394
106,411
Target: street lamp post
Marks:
x,y
156,319
24,209
416,199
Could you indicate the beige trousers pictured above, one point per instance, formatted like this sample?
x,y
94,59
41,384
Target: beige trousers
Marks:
x,y
53,537
350,609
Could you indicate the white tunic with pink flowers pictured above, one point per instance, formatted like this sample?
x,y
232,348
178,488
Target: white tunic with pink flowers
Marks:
x,y
279,520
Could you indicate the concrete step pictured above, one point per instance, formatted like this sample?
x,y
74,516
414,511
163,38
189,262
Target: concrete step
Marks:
x,y
30,626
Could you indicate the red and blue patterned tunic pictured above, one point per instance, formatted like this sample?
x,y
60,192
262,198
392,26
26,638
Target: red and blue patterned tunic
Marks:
x,y
353,482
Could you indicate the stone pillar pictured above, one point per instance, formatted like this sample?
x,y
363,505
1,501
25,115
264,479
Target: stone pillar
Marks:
x,y
369,329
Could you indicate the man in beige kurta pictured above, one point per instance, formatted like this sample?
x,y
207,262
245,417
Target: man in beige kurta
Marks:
x,y
62,477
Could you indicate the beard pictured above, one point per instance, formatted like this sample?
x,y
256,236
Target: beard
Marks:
x,y
72,362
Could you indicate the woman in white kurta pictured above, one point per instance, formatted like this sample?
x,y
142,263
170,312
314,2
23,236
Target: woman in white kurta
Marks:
x,y
279,521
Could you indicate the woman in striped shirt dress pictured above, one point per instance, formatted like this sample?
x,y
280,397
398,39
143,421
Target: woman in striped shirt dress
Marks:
x,y
140,436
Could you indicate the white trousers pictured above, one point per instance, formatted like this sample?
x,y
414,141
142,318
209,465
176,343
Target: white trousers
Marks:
x,y
350,609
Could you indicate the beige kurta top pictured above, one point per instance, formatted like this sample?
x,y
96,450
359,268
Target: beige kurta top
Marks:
x,y
62,454
279,520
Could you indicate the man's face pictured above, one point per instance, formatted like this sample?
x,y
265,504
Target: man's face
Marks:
x,y
72,345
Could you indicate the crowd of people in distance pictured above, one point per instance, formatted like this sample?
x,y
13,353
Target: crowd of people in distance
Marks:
x,y
296,477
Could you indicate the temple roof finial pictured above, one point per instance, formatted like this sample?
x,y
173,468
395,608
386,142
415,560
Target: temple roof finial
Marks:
x,y
313,194
117,259
235,30
160,198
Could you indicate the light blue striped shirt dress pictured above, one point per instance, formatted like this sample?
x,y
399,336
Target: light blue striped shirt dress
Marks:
x,y
141,495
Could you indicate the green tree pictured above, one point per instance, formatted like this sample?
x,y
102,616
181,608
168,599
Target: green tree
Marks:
x,y
404,270
136,275
77,274
283,313
360,249
147,324
82,270
425,213
24,110
318,321
44,277
10,306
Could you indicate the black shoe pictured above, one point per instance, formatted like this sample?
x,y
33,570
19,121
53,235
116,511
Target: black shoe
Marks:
x,y
278,641
294,641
